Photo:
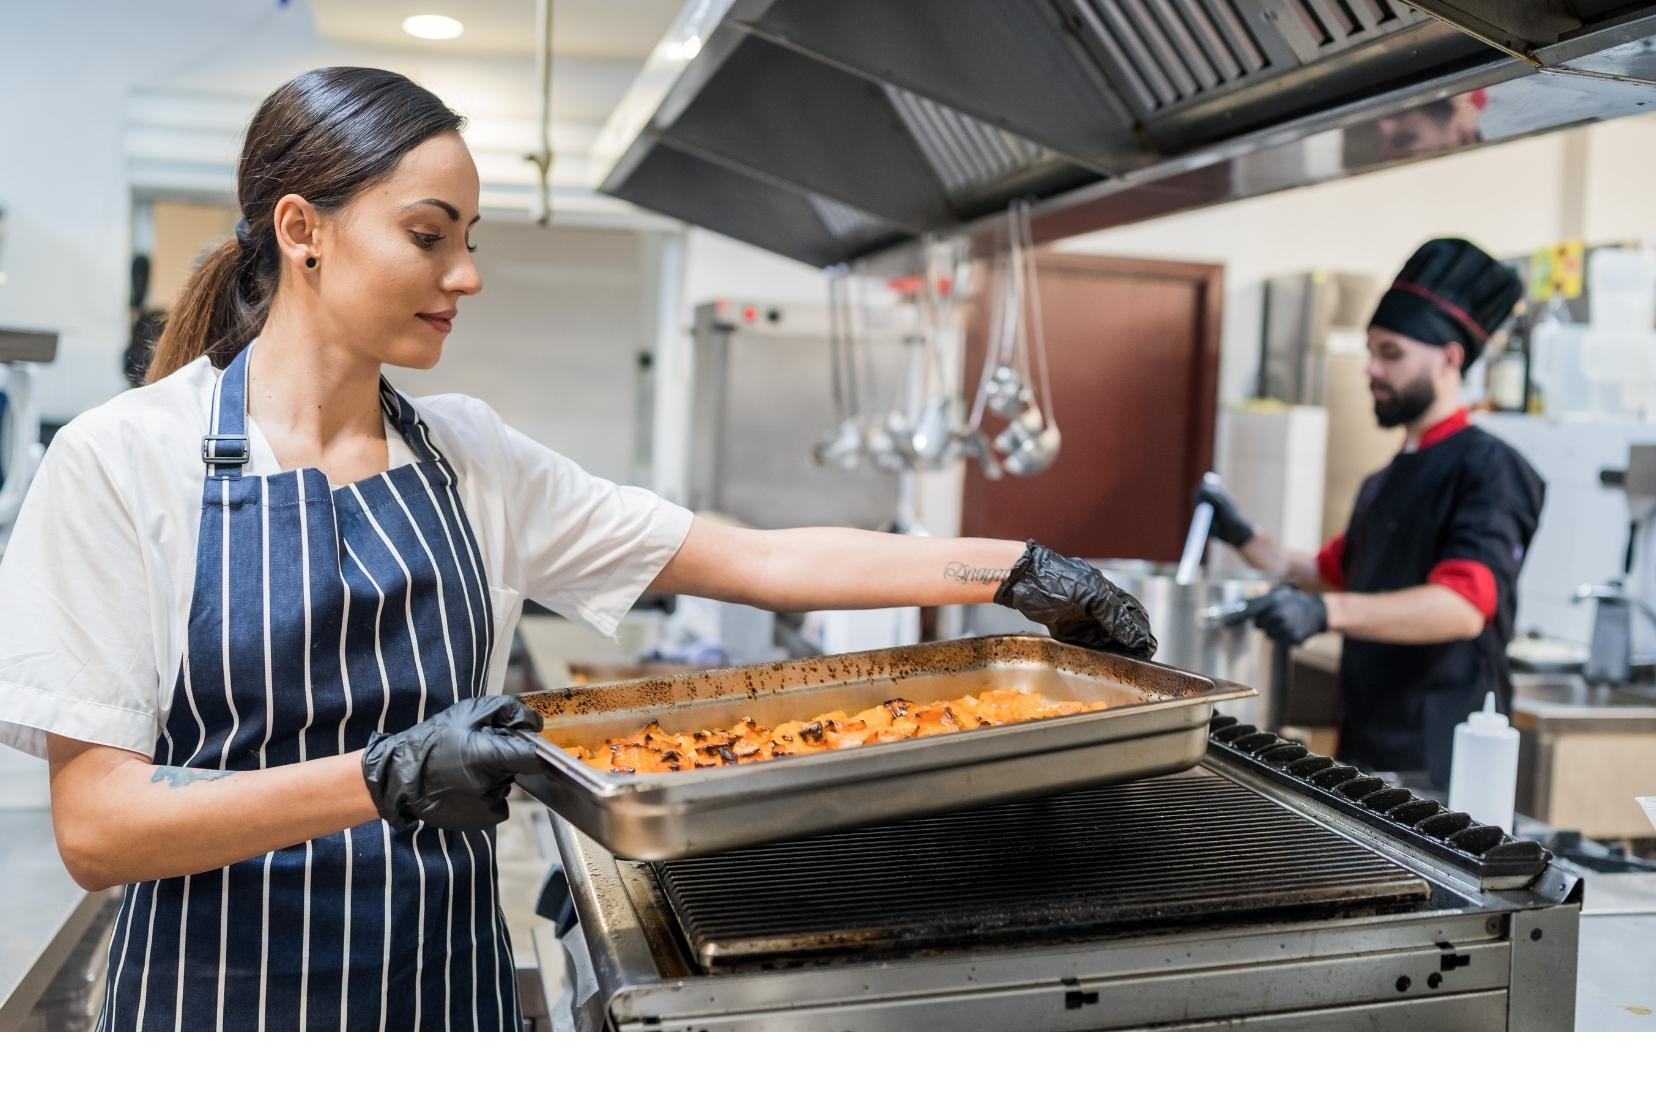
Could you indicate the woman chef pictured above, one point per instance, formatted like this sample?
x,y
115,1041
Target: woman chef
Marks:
x,y
1424,581
254,610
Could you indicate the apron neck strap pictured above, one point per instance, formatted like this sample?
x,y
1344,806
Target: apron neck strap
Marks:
x,y
225,448
402,412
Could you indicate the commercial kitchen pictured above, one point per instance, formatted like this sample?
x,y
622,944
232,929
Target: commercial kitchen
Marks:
x,y
1248,408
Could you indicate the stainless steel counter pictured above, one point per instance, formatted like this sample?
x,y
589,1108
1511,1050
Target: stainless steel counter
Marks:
x,y
1616,984
43,914
1584,753
1569,702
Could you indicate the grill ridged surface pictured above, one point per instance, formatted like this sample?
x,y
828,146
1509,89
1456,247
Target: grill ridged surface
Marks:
x,y
1188,848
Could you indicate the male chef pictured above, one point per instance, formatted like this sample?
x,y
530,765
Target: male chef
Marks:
x,y
1423,583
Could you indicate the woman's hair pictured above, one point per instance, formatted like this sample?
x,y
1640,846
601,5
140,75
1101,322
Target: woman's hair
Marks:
x,y
324,135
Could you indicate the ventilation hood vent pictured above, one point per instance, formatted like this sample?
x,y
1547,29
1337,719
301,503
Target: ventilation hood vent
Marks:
x,y
834,131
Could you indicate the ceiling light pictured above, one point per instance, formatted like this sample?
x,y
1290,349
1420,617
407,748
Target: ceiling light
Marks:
x,y
433,27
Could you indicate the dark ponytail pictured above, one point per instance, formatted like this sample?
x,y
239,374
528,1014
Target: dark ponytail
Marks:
x,y
324,135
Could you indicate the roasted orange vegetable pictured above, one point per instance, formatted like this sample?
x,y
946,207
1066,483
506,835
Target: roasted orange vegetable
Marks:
x,y
653,750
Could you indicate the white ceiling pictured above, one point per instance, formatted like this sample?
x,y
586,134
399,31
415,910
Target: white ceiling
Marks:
x,y
620,29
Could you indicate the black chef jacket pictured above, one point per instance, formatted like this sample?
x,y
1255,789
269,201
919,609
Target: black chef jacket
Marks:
x,y
1459,511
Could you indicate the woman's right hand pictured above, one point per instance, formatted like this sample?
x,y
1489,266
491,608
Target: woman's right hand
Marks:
x,y
1076,603
455,769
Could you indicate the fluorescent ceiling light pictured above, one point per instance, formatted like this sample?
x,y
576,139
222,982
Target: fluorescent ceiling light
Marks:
x,y
433,27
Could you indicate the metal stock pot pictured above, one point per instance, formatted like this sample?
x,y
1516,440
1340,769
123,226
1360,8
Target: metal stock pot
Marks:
x,y
1188,622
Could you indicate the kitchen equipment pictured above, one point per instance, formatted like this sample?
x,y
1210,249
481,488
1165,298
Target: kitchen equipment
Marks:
x,y
1189,623
757,394
843,446
1031,442
735,909
1483,775
1310,316
1624,625
1000,388
931,438
20,446
1584,750
1534,653
932,113
1009,380
1201,521
1006,390
1610,658
1233,895
1155,725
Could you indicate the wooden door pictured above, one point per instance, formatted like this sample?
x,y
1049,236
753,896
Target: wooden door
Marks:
x,y
1134,350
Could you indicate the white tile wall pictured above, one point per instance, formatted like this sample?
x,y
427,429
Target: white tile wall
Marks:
x,y
1583,530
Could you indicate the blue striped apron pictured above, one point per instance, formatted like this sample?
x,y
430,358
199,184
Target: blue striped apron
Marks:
x,y
319,616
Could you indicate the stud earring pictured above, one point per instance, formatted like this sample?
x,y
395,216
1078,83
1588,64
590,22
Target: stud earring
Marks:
x,y
310,262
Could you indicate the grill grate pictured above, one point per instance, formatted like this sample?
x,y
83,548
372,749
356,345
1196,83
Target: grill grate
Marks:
x,y
1188,848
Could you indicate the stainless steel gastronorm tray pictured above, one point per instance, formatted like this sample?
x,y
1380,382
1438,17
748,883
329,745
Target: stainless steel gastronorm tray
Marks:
x,y
1157,723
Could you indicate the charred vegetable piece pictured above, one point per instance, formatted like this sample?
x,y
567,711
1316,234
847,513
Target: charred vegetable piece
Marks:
x,y
654,750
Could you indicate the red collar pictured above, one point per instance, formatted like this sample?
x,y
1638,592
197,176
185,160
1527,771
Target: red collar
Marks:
x,y
1443,429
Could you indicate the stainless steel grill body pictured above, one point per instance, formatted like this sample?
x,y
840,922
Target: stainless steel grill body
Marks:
x,y
1380,935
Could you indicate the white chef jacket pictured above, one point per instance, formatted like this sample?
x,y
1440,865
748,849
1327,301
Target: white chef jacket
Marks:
x,y
96,582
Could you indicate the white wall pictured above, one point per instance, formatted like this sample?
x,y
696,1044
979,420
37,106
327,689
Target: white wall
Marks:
x,y
1507,198
718,267
105,98
553,340
154,98
64,79
1510,198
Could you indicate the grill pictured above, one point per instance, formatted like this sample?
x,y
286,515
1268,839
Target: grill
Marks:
x,y
1253,891
1184,849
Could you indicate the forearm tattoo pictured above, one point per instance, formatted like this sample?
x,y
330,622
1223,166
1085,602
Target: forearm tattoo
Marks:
x,y
958,572
177,776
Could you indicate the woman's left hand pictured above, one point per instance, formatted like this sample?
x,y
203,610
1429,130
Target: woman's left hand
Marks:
x,y
1076,603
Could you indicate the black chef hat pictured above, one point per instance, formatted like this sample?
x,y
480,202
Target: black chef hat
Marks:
x,y
1449,291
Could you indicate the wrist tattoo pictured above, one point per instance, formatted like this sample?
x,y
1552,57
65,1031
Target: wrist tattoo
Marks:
x,y
177,776
957,572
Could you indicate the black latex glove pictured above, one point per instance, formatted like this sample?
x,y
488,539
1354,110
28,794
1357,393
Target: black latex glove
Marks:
x,y
1229,524
1076,603
455,769
1286,614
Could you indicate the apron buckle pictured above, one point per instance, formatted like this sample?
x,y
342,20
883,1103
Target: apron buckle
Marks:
x,y
224,450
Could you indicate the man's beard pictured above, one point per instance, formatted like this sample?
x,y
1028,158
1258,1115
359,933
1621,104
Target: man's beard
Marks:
x,y
1406,404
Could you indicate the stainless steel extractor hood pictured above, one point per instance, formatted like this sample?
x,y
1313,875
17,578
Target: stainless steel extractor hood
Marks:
x,y
831,130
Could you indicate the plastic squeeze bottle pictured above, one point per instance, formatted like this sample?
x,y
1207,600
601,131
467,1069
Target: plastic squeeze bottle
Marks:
x,y
1483,770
